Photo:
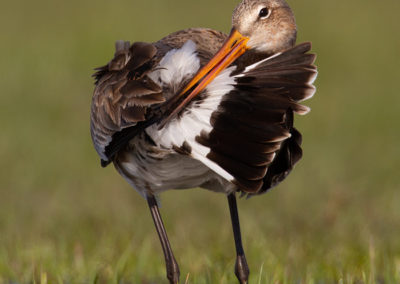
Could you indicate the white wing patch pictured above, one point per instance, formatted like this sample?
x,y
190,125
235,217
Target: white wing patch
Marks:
x,y
183,63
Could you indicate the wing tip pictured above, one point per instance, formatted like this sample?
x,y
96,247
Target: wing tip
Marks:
x,y
104,163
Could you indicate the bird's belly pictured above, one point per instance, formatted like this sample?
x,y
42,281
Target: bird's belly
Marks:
x,y
151,169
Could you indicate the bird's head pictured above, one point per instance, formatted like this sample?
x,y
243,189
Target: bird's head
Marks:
x,y
269,25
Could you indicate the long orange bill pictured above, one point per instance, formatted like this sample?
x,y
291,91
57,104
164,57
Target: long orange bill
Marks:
x,y
233,48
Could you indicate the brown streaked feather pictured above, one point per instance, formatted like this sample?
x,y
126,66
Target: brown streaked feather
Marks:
x,y
293,56
207,41
122,95
142,53
125,97
137,88
262,134
253,136
231,141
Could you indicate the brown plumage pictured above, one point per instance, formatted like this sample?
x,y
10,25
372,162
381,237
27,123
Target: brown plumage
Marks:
x,y
124,92
203,109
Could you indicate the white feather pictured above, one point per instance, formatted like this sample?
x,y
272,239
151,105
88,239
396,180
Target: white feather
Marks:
x,y
254,65
176,66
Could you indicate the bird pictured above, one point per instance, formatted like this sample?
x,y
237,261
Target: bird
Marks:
x,y
204,109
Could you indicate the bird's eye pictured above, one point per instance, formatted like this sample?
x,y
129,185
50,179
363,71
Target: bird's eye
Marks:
x,y
264,13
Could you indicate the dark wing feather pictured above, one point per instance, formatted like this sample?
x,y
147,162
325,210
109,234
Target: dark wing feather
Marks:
x,y
253,137
122,97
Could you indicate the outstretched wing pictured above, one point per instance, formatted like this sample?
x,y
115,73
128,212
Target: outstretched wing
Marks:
x,y
252,136
122,97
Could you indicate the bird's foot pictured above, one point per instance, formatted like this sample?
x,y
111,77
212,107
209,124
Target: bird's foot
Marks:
x,y
173,272
241,269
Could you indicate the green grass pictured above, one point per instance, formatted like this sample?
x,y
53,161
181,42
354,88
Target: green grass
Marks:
x,y
64,219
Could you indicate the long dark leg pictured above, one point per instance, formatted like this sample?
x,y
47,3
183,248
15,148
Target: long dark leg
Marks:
x,y
170,262
241,269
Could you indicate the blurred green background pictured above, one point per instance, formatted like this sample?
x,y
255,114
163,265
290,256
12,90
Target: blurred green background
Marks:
x,y
63,218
